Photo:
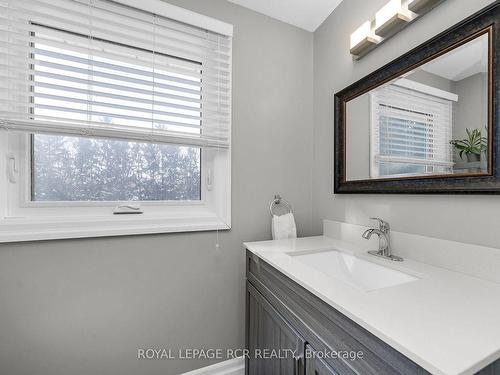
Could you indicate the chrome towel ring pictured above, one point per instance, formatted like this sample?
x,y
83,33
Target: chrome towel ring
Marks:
x,y
279,206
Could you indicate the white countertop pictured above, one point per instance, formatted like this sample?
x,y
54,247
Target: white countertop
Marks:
x,y
446,322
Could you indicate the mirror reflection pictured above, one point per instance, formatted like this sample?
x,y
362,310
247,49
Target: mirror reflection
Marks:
x,y
432,120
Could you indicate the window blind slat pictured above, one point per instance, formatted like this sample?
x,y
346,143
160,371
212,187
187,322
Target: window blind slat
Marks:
x,y
99,94
121,132
85,102
121,88
101,68
123,79
110,25
405,160
99,64
21,39
63,121
402,130
211,76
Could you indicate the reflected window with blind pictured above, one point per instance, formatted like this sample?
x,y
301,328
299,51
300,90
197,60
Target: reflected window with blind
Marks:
x,y
103,103
410,133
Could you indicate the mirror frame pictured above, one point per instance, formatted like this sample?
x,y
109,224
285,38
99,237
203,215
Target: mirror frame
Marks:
x,y
486,20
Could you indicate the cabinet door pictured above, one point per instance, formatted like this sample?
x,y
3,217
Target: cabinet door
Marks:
x,y
274,347
316,366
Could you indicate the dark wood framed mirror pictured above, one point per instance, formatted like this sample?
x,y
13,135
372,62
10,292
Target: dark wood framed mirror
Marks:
x,y
427,122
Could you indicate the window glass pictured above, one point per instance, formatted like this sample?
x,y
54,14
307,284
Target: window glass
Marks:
x,y
86,169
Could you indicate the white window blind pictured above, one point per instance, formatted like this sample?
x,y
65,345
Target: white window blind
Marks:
x,y
101,69
411,132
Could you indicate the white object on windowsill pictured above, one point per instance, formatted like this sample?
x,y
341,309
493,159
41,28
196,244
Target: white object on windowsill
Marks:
x,y
127,209
283,227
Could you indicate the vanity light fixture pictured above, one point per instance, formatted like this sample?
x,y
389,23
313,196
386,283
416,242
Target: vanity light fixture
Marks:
x,y
363,39
391,18
422,6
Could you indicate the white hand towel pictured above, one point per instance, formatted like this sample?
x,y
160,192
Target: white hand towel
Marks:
x,y
283,227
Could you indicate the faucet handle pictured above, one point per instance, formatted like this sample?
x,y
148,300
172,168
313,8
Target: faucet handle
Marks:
x,y
383,225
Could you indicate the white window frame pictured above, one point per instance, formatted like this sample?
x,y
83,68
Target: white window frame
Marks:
x,y
24,220
374,125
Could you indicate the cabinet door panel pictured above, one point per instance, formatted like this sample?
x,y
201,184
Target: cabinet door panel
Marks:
x,y
271,336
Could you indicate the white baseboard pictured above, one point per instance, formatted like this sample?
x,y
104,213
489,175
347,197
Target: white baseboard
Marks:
x,y
231,367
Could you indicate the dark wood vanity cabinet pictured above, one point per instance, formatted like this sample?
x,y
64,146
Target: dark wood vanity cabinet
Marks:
x,y
284,317
270,334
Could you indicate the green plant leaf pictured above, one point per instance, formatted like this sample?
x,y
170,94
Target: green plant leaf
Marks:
x,y
475,143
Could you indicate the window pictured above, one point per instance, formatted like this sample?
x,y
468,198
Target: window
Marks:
x,y
108,105
410,132
85,169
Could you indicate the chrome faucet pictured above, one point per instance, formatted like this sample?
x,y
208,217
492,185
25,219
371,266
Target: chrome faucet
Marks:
x,y
382,232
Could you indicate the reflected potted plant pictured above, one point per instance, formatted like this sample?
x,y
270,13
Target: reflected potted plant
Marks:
x,y
472,146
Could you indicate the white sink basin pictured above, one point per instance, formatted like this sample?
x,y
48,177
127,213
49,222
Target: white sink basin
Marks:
x,y
352,270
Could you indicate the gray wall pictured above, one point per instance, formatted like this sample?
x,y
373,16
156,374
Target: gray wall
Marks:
x,y
471,110
461,218
431,79
358,133
472,107
86,306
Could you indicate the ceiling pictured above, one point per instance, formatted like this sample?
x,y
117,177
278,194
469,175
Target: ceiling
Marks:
x,y
462,62
306,14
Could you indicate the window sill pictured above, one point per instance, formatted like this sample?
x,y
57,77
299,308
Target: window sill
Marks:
x,y
37,229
